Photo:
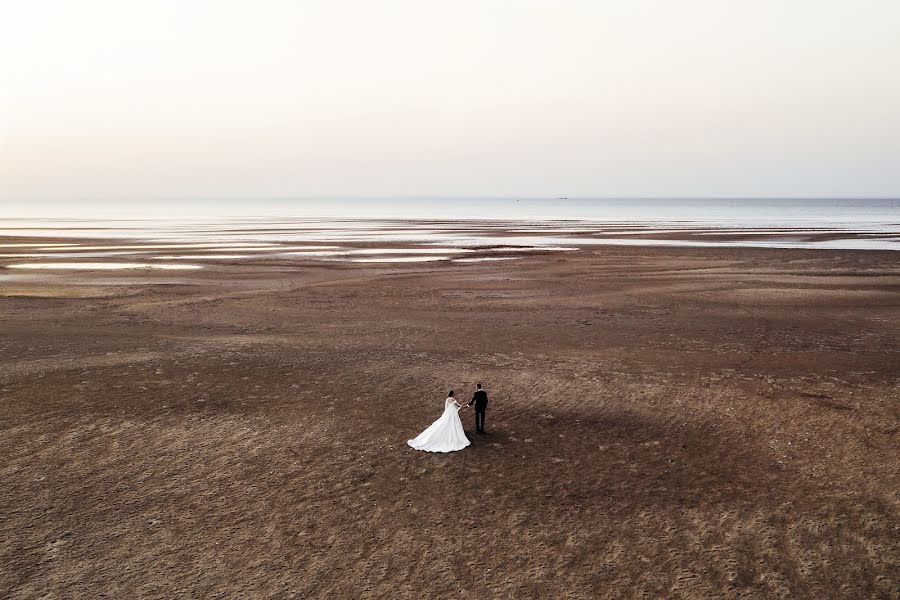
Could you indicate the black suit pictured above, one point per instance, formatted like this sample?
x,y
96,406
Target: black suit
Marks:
x,y
480,400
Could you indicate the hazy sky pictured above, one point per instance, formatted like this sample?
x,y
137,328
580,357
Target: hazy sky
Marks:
x,y
126,98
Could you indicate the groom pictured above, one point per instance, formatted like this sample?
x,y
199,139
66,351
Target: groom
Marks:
x,y
480,400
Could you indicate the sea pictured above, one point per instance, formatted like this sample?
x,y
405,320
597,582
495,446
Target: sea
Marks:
x,y
194,233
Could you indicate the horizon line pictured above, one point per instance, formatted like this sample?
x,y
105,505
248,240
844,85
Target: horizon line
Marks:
x,y
441,197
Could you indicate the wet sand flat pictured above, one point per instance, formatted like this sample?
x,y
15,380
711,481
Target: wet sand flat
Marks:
x,y
664,423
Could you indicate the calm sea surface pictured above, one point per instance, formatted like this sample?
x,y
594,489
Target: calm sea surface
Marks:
x,y
733,212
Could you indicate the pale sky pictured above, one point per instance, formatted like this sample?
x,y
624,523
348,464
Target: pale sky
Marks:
x,y
192,98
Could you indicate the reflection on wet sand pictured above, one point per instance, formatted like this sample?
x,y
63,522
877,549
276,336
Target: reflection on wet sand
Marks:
x,y
393,259
310,253
440,250
102,266
41,245
203,257
59,255
205,247
404,240
486,259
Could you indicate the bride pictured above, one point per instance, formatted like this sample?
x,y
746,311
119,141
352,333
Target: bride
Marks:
x,y
446,434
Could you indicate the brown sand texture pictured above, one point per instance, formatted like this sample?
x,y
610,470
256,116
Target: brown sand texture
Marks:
x,y
664,423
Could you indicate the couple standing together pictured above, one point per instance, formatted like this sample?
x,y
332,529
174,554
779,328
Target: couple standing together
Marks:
x,y
447,434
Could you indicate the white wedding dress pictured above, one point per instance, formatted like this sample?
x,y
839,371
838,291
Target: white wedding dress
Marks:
x,y
444,435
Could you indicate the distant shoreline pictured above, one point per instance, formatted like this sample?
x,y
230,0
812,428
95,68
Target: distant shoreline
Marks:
x,y
299,238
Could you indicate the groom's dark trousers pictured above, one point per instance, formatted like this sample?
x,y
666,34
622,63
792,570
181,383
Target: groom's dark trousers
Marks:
x,y
480,400
479,420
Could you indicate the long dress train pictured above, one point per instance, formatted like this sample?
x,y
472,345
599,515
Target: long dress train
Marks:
x,y
444,435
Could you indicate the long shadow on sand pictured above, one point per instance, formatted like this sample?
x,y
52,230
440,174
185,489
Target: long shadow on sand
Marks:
x,y
620,460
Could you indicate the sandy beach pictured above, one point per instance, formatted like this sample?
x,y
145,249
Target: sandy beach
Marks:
x,y
664,423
